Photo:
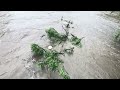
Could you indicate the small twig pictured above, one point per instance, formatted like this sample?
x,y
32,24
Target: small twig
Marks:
x,y
3,73
66,31
82,38
73,35
42,36
62,18
68,25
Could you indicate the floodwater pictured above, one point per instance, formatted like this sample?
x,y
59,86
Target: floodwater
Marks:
x,y
99,58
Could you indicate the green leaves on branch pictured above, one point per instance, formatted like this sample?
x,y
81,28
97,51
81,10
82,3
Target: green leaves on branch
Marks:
x,y
50,61
117,36
50,58
76,41
63,73
54,36
36,50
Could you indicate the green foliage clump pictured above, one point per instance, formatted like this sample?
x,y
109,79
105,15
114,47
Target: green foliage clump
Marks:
x,y
117,36
63,73
52,33
54,36
52,61
50,58
36,50
76,41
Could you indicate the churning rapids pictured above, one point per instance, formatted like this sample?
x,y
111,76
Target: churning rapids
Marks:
x,y
99,58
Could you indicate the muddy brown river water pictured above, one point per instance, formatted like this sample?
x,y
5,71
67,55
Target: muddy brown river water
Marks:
x,y
99,58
